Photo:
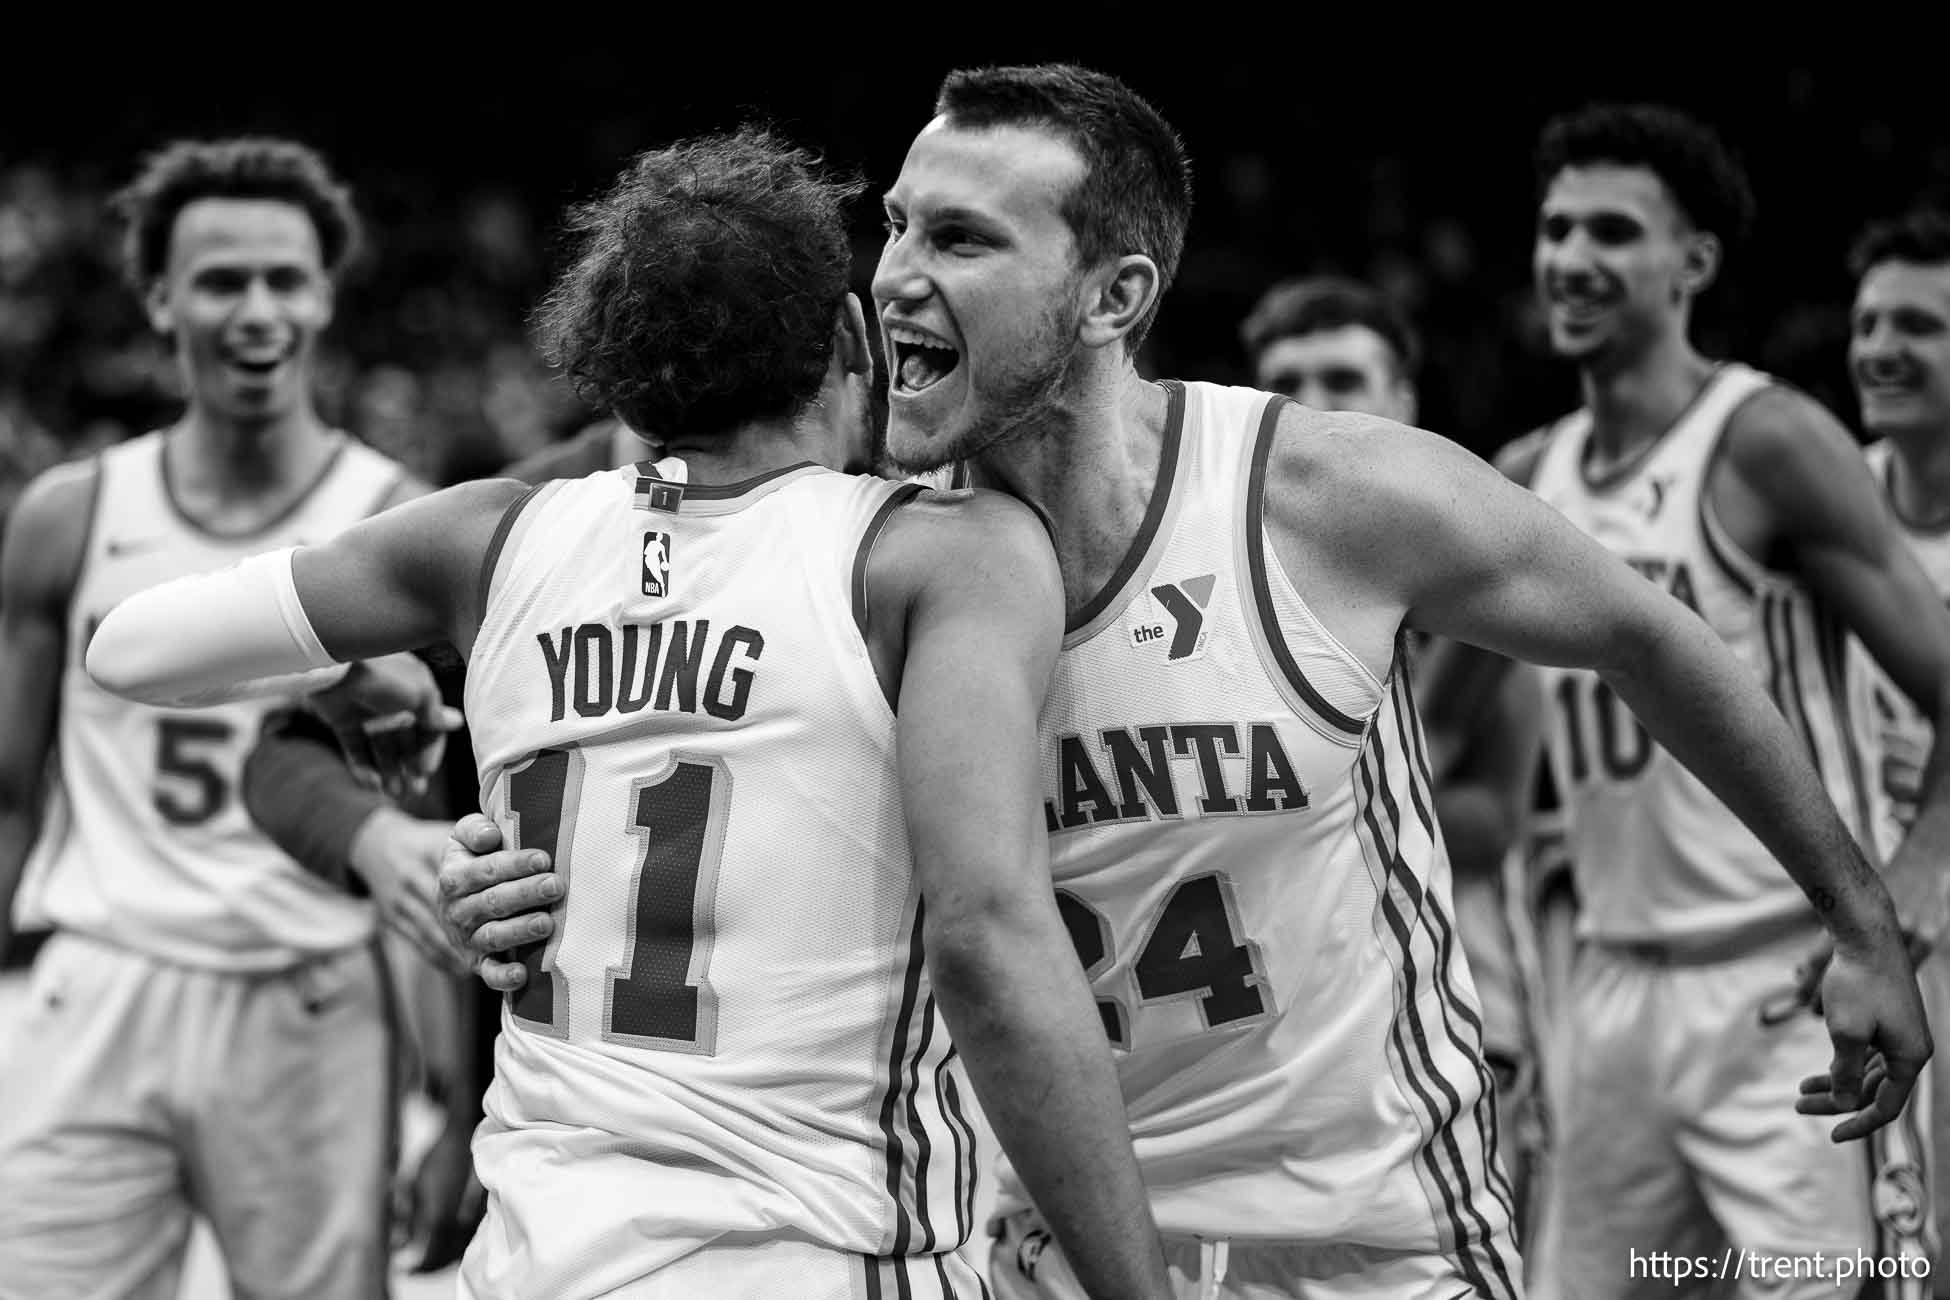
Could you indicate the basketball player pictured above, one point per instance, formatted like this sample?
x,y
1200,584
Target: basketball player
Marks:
x,y
206,1028
1234,781
1747,502
727,1074
1333,344
1899,358
1337,345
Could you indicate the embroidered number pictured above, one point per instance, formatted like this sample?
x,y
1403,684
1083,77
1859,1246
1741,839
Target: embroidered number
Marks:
x,y
1602,734
195,790
657,997
1191,951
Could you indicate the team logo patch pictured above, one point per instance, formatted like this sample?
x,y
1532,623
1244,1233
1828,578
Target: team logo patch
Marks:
x,y
1173,615
656,564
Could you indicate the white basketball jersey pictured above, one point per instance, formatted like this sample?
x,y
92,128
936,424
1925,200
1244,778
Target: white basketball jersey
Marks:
x,y
1902,732
731,1033
146,843
1657,856
1246,855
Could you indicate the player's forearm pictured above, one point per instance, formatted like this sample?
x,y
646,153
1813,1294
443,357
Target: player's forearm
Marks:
x,y
236,633
302,795
1704,707
1021,1015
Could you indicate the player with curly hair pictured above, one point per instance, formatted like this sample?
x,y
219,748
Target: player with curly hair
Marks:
x,y
779,739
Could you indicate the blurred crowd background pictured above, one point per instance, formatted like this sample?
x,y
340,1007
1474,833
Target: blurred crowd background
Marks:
x,y
1408,167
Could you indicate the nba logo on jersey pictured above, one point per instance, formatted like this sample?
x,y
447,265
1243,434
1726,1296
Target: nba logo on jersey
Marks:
x,y
656,564
1172,617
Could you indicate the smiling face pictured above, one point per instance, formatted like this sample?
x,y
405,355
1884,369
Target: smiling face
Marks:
x,y
1899,348
1616,261
244,295
978,289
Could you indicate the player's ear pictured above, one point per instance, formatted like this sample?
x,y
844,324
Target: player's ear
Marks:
x,y
1116,297
850,346
1700,264
155,304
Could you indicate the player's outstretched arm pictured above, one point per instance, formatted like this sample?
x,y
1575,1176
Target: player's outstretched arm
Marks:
x,y
280,622
972,588
39,562
1802,469
1469,555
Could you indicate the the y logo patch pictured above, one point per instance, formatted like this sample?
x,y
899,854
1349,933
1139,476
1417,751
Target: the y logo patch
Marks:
x,y
1177,618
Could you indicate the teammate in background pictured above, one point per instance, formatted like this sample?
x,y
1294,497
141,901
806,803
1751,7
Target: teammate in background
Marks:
x,y
1333,344
1229,745
1748,503
1899,358
1337,345
206,1031
728,1074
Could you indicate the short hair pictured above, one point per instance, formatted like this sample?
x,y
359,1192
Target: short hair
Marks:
x,y
703,288
1295,308
242,167
1921,235
1687,156
1136,192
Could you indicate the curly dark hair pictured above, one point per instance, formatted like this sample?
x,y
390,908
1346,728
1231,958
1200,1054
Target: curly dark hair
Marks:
x,y
243,167
1136,192
1295,308
1688,156
702,292
1921,235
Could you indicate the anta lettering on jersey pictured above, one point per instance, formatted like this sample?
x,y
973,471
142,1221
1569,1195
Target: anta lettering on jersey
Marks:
x,y
1205,768
597,669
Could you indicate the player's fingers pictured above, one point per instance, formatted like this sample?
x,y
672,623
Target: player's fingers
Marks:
x,y
499,902
500,936
502,976
465,880
477,833
1887,1104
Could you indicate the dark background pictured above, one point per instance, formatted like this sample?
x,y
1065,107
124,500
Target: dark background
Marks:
x,y
1399,153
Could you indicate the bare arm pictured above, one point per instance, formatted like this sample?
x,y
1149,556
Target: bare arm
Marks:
x,y
46,535
981,642
1464,553
1792,464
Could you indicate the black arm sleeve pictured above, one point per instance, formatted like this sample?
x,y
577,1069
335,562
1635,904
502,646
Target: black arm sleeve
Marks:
x,y
302,795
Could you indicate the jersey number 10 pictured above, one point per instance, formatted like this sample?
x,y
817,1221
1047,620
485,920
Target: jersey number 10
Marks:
x,y
654,998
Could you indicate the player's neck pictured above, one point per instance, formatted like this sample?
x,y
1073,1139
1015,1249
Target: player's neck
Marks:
x,y
749,452
1634,404
225,472
1089,469
1919,477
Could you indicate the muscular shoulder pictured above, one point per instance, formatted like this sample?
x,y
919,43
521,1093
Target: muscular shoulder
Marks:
x,y
970,544
47,533
1373,512
1791,451
1349,478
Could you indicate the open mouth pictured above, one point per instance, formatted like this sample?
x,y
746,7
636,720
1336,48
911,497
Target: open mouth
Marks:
x,y
921,360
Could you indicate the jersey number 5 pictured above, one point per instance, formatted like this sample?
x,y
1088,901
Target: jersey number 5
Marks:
x,y
658,996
